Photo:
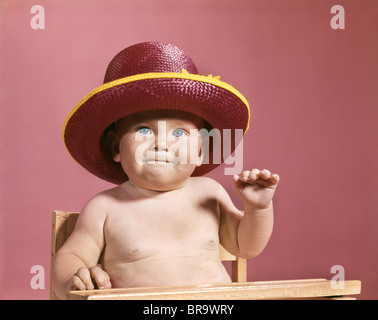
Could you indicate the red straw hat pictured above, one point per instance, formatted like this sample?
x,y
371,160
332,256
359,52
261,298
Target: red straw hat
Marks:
x,y
148,76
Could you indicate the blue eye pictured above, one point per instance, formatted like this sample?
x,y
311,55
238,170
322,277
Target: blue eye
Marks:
x,y
178,133
144,130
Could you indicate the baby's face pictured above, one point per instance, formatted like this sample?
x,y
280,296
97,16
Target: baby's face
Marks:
x,y
160,149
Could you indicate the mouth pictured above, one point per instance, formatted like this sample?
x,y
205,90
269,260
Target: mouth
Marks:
x,y
157,162
159,158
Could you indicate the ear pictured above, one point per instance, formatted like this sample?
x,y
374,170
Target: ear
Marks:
x,y
199,161
113,142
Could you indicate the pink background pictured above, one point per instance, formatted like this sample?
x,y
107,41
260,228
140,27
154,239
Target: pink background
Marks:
x,y
313,94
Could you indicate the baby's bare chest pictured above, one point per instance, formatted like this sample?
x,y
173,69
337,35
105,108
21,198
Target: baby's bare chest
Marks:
x,y
139,230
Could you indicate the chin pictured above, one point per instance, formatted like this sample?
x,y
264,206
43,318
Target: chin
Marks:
x,y
163,177
154,181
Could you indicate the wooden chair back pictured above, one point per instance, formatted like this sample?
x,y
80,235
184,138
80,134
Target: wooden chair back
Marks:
x,y
63,223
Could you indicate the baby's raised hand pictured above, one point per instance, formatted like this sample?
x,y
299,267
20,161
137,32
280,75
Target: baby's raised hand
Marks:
x,y
90,278
256,188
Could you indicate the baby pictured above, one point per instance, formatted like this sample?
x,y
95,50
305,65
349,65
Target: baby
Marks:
x,y
163,224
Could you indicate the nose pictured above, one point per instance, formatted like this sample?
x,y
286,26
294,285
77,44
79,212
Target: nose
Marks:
x,y
161,142
161,137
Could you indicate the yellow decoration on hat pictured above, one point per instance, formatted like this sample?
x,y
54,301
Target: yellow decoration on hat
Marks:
x,y
211,76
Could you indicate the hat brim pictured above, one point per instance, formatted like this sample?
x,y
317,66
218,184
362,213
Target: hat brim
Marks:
x,y
221,105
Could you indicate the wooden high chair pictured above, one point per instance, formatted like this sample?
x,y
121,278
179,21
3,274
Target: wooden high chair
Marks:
x,y
63,223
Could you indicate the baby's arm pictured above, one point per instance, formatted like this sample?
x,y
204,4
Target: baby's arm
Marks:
x,y
246,235
75,264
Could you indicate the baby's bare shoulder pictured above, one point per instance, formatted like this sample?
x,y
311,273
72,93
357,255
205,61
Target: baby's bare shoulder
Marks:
x,y
102,202
205,184
203,180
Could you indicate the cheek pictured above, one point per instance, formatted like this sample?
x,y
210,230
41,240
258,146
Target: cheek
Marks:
x,y
187,151
143,149
130,143
127,148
